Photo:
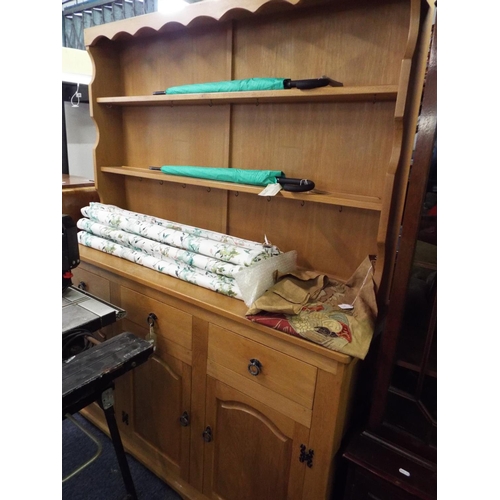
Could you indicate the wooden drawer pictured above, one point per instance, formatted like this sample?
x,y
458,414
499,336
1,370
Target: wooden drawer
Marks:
x,y
164,347
172,324
293,379
92,283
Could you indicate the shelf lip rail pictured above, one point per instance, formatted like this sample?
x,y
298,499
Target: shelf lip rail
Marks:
x,y
314,196
370,93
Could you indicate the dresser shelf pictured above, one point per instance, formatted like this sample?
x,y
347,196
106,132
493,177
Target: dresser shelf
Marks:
x,y
326,94
314,196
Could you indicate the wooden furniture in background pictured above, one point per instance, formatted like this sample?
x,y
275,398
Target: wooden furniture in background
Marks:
x,y
75,181
195,415
396,455
77,192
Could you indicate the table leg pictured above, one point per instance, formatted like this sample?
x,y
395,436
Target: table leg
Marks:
x,y
106,403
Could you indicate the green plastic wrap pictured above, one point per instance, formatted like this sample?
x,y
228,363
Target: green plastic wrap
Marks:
x,y
253,177
229,86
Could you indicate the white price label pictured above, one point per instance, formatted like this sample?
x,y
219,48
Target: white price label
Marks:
x,y
271,190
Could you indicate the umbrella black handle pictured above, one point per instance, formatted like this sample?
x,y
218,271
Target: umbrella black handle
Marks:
x,y
295,185
310,83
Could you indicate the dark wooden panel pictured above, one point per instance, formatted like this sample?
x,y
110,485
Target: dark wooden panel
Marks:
x,y
392,472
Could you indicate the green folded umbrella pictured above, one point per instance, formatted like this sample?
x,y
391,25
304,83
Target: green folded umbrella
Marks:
x,y
239,176
254,177
229,86
249,84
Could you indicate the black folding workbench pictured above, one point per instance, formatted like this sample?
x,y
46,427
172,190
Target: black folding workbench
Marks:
x,y
89,377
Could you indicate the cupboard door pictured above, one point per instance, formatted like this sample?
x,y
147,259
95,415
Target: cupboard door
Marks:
x,y
160,410
251,450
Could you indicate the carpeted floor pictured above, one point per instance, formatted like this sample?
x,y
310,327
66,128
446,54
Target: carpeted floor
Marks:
x,y
102,479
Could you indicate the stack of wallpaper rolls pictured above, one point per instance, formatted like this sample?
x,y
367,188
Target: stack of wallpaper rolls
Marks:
x,y
204,258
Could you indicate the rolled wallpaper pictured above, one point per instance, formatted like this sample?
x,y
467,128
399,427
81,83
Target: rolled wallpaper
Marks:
x,y
198,256
197,242
196,231
159,250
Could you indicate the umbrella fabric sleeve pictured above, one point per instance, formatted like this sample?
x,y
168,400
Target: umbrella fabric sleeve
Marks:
x,y
247,84
236,175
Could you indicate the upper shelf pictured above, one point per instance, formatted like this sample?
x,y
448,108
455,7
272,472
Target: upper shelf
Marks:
x,y
324,94
315,196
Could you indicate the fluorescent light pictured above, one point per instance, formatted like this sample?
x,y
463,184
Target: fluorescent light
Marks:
x,y
170,6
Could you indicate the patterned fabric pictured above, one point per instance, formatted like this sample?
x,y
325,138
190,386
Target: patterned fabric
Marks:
x,y
324,321
197,242
206,279
159,250
196,231
204,258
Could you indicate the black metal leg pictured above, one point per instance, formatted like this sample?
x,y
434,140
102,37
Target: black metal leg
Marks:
x,y
109,412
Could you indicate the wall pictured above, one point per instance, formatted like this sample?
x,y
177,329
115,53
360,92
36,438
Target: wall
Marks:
x,y
81,136
80,128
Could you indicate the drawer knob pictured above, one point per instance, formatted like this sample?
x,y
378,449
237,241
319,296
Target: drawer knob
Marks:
x,y
151,319
254,367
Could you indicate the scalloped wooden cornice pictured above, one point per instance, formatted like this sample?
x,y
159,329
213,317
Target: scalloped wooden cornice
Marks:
x,y
157,21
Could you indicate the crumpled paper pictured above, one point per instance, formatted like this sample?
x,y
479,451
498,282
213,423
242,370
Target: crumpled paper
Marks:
x,y
309,306
291,292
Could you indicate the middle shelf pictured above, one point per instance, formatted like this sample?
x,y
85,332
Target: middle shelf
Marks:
x,y
324,94
314,196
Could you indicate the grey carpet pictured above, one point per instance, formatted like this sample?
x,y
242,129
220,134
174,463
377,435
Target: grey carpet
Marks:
x,y
102,479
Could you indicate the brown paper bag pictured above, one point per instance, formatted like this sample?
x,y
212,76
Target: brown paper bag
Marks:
x,y
308,306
